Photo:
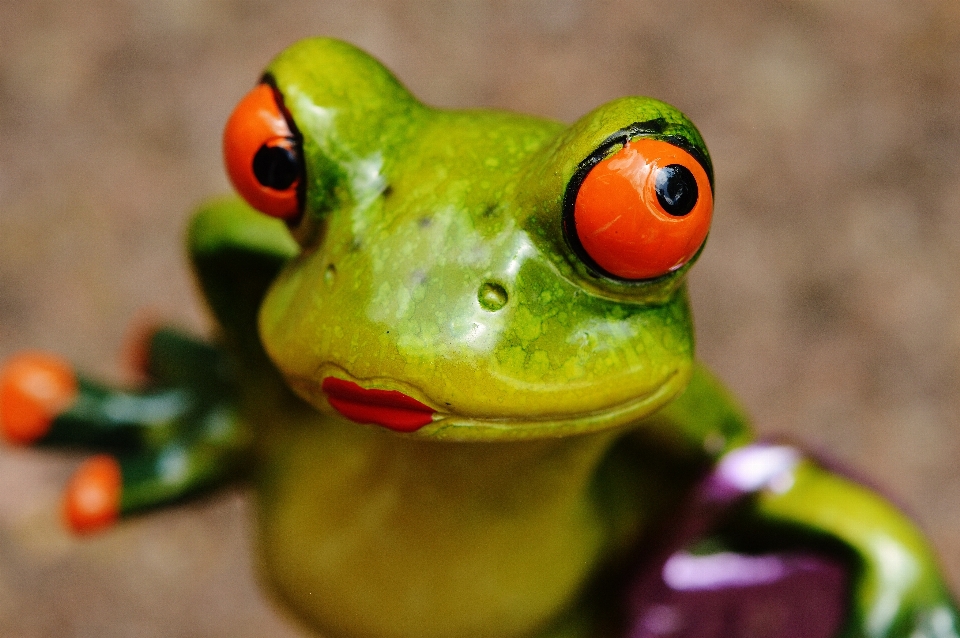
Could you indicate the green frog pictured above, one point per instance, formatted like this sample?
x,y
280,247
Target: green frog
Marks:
x,y
456,362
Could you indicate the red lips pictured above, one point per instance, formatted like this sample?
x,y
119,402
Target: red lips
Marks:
x,y
388,408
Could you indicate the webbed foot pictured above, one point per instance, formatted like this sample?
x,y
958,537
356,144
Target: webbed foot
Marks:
x,y
177,435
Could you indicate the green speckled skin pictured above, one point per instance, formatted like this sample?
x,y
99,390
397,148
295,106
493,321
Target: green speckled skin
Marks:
x,y
571,416
467,199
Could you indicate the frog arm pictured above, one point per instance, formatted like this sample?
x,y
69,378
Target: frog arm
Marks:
x,y
185,430
236,253
705,420
178,434
774,540
898,589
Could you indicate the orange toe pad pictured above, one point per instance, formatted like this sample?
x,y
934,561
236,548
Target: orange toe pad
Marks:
x,y
34,388
92,499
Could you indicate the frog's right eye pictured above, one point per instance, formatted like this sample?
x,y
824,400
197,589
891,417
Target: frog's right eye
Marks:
x,y
639,213
262,153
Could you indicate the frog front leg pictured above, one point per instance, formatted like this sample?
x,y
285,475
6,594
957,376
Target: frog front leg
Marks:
x,y
182,432
767,507
170,438
897,587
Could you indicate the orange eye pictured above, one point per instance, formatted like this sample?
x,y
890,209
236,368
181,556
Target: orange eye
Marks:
x,y
262,155
643,212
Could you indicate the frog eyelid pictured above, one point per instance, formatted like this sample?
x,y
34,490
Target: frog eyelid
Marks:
x,y
652,129
297,138
269,80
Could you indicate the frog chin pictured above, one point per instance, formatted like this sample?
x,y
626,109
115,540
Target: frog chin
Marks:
x,y
404,409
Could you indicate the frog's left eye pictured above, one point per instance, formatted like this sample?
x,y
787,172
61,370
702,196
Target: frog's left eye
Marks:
x,y
640,213
262,155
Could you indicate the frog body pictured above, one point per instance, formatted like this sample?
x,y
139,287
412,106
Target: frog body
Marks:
x,y
463,385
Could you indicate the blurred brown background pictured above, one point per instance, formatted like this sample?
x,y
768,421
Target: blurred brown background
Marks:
x,y
828,296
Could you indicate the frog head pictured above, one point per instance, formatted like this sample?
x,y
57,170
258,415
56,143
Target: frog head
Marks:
x,y
471,275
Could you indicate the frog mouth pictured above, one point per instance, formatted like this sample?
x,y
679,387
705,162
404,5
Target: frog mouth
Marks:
x,y
391,409
400,412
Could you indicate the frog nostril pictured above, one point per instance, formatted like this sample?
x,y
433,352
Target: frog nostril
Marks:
x,y
492,296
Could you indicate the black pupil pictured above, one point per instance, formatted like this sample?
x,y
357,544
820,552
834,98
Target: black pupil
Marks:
x,y
276,167
676,189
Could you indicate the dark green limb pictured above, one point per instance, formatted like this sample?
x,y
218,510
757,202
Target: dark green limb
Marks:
x,y
177,436
176,359
202,439
189,381
702,423
107,419
198,461
237,252
186,430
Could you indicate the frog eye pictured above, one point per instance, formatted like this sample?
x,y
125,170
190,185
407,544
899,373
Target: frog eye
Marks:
x,y
642,212
262,155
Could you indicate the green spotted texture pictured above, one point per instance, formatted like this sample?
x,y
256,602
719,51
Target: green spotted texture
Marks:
x,y
411,211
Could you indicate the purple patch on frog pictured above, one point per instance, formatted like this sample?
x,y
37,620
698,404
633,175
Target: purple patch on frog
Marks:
x,y
730,595
678,594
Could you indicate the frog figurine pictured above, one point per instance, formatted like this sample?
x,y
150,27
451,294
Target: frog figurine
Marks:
x,y
456,361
